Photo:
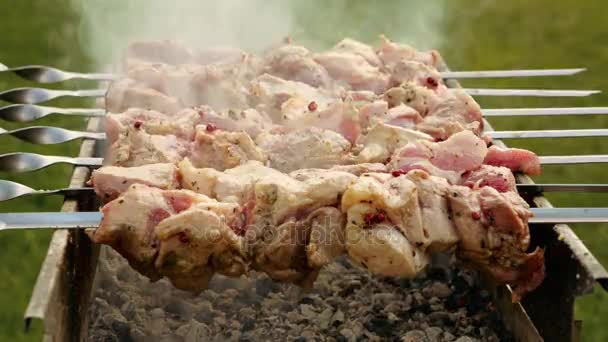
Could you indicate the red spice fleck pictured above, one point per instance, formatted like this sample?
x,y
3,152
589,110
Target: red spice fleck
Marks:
x,y
470,184
397,173
137,124
183,238
431,82
210,128
374,218
476,215
312,106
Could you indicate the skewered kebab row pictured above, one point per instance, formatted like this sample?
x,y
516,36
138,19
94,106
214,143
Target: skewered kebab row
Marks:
x,y
282,74
290,225
463,154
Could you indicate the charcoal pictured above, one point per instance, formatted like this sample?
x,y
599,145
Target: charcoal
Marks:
x,y
345,304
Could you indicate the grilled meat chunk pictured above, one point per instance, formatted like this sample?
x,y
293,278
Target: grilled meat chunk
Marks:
x,y
449,159
353,70
295,63
135,147
391,53
111,181
305,148
516,159
223,150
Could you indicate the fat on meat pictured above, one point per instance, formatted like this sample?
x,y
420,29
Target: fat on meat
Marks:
x,y
355,47
384,231
136,147
382,140
126,93
391,53
305,148
111,181
450,159
180,124
296,63
353,70
222,150
517,160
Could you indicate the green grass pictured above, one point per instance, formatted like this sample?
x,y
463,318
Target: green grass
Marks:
x,y
476,35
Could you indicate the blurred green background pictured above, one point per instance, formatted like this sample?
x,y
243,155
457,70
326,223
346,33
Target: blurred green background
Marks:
x,y
470,35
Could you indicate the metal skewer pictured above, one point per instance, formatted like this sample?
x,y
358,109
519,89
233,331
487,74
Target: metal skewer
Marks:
x,y
530,92
555,133
544,111
511,73
91,219
47,74
30,112
45,135
24,162
38,95
56,135
10,190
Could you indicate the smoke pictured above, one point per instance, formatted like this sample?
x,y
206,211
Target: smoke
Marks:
x,y
108,26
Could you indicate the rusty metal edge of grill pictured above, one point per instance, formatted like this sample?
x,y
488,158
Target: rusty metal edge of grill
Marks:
x,y
63,289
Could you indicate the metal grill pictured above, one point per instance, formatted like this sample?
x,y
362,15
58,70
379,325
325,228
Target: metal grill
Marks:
x,y
61,295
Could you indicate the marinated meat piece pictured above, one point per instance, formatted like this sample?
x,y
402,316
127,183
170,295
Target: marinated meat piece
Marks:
x,y
180,124
494,235
197,242
383,226
223,150
129,223
306,148
383,139
282,253
358,48
136,147
457,111
249,120
340,117
449,159
220,55
160,51
372,112
415,72
391,53
497,177
444,111
381,199
295,63
326,237
126,93
111,181
435,210
517,160
282,99
218,86
353,70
